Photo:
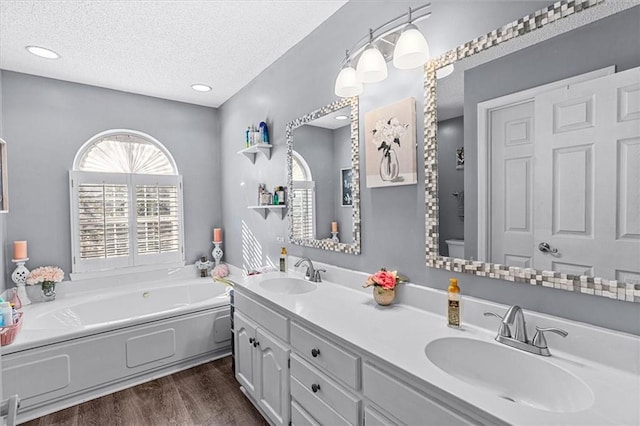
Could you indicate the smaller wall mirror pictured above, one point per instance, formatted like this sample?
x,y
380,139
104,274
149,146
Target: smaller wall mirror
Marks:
x,y
323,178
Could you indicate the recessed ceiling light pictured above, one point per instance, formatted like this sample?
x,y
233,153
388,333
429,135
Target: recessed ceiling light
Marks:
x,y
200,87
42,52
341,117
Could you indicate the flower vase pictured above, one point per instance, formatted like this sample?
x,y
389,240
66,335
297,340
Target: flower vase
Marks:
x,y
389,166
383,296
48,291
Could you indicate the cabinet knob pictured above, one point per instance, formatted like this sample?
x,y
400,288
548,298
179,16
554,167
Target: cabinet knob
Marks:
x,y
255,343
251,339
315,388
315,352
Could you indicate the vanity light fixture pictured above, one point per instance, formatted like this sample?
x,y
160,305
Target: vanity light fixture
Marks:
x,y
341,117
411,51
42,52
201,87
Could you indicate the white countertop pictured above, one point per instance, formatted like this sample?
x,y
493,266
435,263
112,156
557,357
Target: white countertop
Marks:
x,y
399,333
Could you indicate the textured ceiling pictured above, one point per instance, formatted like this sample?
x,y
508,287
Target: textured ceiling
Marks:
x,y
157,48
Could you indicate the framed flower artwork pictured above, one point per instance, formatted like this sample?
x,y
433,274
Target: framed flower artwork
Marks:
x,y
390,145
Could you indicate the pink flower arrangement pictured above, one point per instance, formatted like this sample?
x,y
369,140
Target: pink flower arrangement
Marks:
x,y
220,271
44,274
385,279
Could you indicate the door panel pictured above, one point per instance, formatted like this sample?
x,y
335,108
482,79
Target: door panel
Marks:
x,y
272,385
572,185
590,135
512,143
244,359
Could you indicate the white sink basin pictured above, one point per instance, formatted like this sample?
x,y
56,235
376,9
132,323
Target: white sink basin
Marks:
x,y
510,374
288,285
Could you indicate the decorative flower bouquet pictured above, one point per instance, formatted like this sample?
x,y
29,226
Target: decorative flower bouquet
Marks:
x,y
385,134
384,283
47,276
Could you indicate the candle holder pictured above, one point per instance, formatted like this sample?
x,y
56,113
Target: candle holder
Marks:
x,y
217,252
203,266
19,277
334,237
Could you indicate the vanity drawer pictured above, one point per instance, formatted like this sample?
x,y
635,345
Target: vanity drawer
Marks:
x,y
320,411
300,417
403,402
268,319
343,402
328,356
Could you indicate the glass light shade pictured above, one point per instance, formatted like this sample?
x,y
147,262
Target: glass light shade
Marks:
x,y
411,50
347,84
371,66
444,71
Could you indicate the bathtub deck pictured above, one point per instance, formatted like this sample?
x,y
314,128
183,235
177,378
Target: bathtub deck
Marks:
x,y
204,395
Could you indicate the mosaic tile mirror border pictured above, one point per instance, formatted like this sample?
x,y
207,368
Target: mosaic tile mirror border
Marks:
x,y
611,289
327,244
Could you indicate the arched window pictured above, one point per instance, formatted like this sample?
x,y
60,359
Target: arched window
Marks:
x,y
304,198
126,203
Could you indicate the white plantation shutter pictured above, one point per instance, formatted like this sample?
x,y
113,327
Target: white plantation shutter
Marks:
x,y
302,220
103,220
158,218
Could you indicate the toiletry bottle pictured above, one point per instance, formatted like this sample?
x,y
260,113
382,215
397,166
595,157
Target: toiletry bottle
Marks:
x,y
246,137
283,260
281,195
453,307
275,196
264,132
7,314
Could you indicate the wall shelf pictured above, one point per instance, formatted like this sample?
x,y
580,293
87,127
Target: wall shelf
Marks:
x,y
263,210
250,153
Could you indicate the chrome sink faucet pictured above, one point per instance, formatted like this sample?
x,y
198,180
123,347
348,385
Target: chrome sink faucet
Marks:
x,y
312,273
514,317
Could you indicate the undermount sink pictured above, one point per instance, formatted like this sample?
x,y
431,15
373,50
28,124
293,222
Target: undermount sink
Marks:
x,y
510,374
288,285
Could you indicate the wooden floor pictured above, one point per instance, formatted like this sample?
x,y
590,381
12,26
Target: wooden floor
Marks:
x,y
203,395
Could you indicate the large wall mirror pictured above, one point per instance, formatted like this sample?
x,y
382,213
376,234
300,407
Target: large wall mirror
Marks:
x,y
323,178
532,148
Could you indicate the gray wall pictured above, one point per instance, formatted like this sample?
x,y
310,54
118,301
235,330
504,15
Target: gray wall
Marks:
x,y
342,160
450,180
4,256
46,121
315,145
393,230
610,41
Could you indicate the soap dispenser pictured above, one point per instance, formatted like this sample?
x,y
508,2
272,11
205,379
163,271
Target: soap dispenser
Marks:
x,y
453,304
283,259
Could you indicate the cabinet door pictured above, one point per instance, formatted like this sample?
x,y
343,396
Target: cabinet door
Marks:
x,y
245,363
272,384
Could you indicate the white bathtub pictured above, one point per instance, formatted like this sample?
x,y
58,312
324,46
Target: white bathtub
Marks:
x,y
125,306
101,336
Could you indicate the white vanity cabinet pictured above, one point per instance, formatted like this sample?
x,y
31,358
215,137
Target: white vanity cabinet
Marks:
x,y
328,381
262,359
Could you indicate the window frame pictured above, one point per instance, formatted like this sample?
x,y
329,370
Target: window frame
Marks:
x,y
134,262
